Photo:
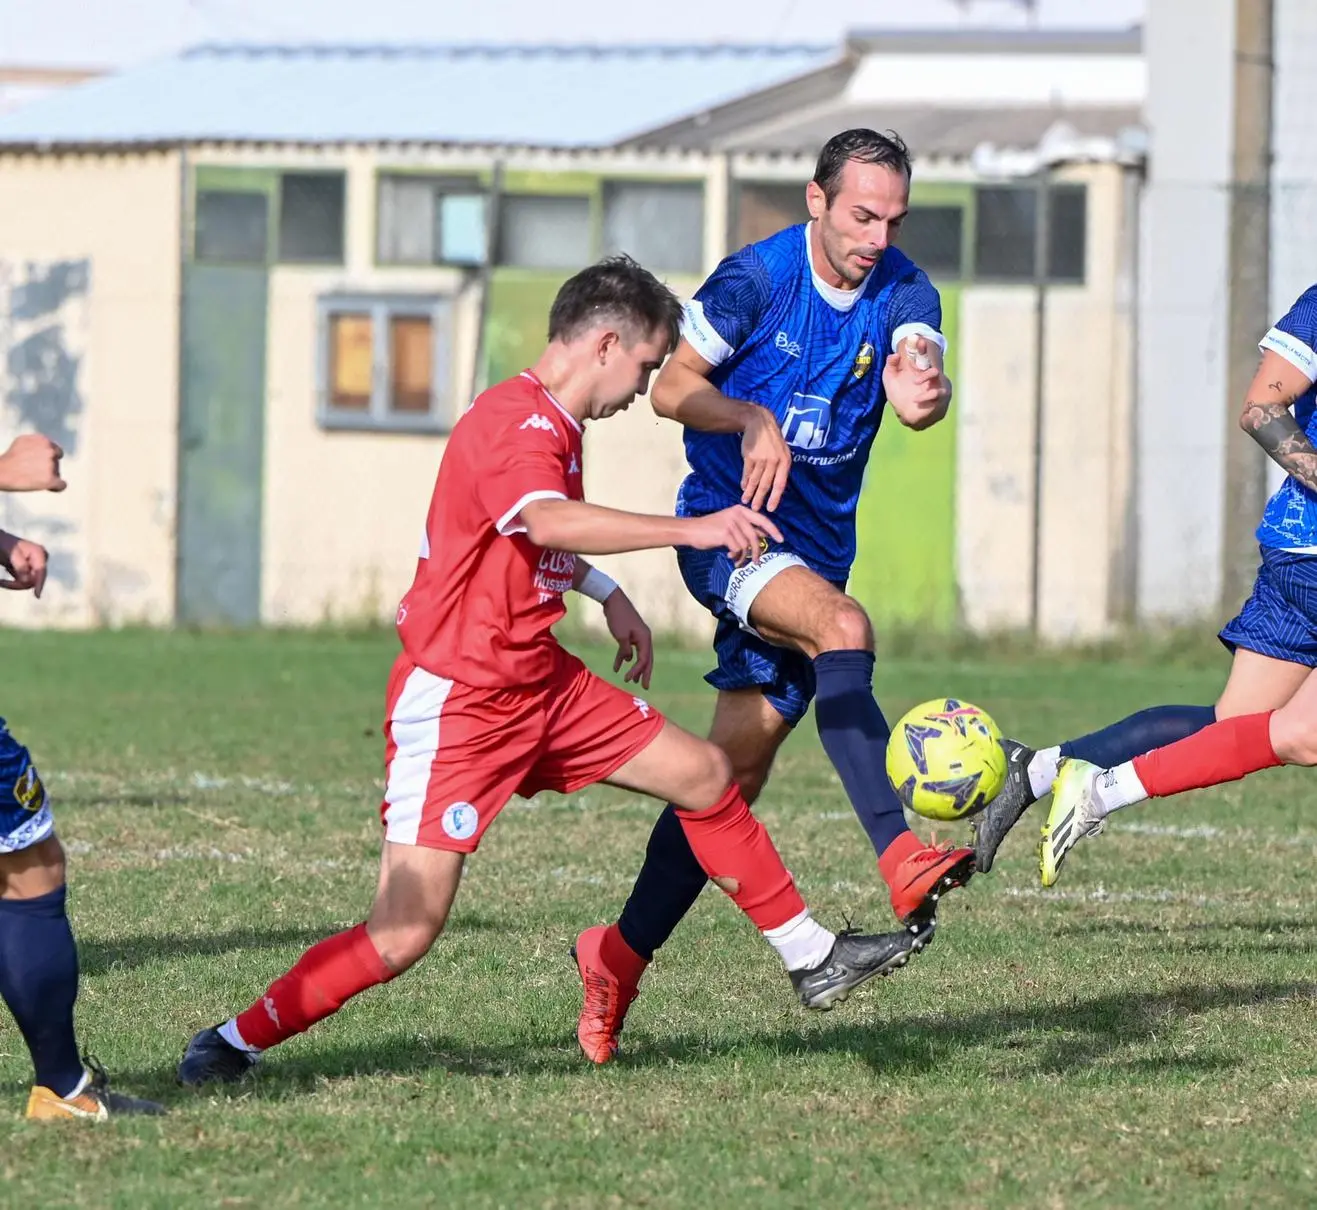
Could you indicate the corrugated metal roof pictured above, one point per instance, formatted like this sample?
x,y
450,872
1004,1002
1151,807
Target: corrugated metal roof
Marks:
x,y
555,96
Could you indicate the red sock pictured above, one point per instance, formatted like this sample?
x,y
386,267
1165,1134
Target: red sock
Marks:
x,y
1224,751
730,843
620,958
327,975
902,847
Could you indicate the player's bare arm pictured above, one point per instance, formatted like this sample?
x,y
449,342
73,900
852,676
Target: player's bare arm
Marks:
x,y
24,561
1267,418
590,529
917,387
31,464
682,392
635,641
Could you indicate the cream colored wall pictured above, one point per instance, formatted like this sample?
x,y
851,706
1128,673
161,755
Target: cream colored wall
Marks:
x,y
1087,414
111,534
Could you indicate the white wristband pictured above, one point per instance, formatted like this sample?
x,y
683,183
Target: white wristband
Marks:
x,y
597,586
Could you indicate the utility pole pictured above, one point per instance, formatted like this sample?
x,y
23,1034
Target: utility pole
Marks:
x,y
1248,310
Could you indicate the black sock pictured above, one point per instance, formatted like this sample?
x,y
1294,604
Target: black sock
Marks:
x,y
39,983
666,888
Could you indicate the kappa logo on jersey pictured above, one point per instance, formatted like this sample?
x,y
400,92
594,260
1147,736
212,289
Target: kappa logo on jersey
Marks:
x,y
808,419
538,422
788,346
573,467
863,361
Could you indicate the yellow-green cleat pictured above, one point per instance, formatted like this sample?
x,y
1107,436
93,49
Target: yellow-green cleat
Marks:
x,y
1074,814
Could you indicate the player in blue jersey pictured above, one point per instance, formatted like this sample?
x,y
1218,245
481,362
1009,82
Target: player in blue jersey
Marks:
x,y
38,957
790,352
1266,713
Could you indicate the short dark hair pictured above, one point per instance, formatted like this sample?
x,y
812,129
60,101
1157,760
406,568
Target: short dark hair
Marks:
x,y
615,290
861,144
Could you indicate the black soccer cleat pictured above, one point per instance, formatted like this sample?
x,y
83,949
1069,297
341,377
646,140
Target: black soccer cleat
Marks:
x,y
1003,812
855,959
209,1059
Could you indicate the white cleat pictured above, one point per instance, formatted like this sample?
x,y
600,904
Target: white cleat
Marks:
x,y
1074,814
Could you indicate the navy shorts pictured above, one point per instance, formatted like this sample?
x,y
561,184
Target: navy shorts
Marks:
x,y
746,661
1280,618
25,817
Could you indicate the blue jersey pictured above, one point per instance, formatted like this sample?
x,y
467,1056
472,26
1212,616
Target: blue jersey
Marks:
x,y
1290,519
778,336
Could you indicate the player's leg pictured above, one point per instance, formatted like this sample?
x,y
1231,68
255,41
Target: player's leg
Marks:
x,y
612,958
445,785
800,610
737,853
1274,638
1264,674
38,955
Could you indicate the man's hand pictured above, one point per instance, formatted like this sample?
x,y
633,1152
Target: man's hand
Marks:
x,y
634,640
919,397
31,464
766,460
26,563
738,530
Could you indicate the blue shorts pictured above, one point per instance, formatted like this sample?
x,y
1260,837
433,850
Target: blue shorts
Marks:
x,y
746,661
25,817
1280,618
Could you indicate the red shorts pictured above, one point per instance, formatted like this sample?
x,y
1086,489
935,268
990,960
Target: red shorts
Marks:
x,y
456,754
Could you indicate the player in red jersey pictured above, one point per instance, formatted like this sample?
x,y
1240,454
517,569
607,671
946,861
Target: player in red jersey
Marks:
x,y
484,703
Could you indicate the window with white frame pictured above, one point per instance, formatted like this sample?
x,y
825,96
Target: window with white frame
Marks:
x,y
659,223
428,220
384,363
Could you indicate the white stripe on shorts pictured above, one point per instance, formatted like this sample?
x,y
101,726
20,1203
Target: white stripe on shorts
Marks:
x,y
415,727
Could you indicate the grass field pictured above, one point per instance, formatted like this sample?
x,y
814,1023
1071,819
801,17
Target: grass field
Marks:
x,y
1143,1034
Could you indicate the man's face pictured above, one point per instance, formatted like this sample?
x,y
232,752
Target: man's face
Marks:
x,y
626,369
863,220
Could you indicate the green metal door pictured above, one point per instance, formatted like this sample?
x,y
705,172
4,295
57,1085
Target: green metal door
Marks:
x,y
221,443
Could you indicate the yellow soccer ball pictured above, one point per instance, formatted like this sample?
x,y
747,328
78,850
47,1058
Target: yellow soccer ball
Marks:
x,y
946,760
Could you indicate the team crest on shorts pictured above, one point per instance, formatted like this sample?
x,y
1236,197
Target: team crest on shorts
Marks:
x,y
460,820
863,360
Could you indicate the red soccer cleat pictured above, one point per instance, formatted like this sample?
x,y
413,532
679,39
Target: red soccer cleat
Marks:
x,y
607,997
924,876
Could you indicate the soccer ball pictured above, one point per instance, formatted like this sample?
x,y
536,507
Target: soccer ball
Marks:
x,y
945,759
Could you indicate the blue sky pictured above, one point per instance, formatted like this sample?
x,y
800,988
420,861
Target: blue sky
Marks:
x,y
95,34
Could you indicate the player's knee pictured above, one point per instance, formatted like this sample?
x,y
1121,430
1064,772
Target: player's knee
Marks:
x,y
403,946
848,629
711,775
1294,737
750,775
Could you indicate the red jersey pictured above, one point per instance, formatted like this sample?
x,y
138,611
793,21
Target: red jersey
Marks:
x,y
481,608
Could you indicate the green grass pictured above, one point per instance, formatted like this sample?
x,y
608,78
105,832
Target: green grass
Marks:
x,y
1141,1035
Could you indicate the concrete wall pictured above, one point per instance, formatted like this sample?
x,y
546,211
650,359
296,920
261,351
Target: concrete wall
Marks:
x,y
1086,450
89,341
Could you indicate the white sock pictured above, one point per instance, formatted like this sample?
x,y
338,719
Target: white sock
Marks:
x,y
229,1032
1042,770
1116,788
802,942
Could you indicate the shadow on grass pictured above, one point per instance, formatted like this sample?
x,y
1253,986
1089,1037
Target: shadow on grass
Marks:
x,y
1051,1039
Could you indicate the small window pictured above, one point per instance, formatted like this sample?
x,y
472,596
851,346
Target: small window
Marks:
x,y
660,224
934,238
1006,226
383,363
311,218
544,231
231,228
431,221
765,209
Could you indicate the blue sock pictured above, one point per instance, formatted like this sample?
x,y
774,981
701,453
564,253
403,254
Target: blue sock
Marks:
x,y
39,983
854,735
666,889
1152,728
